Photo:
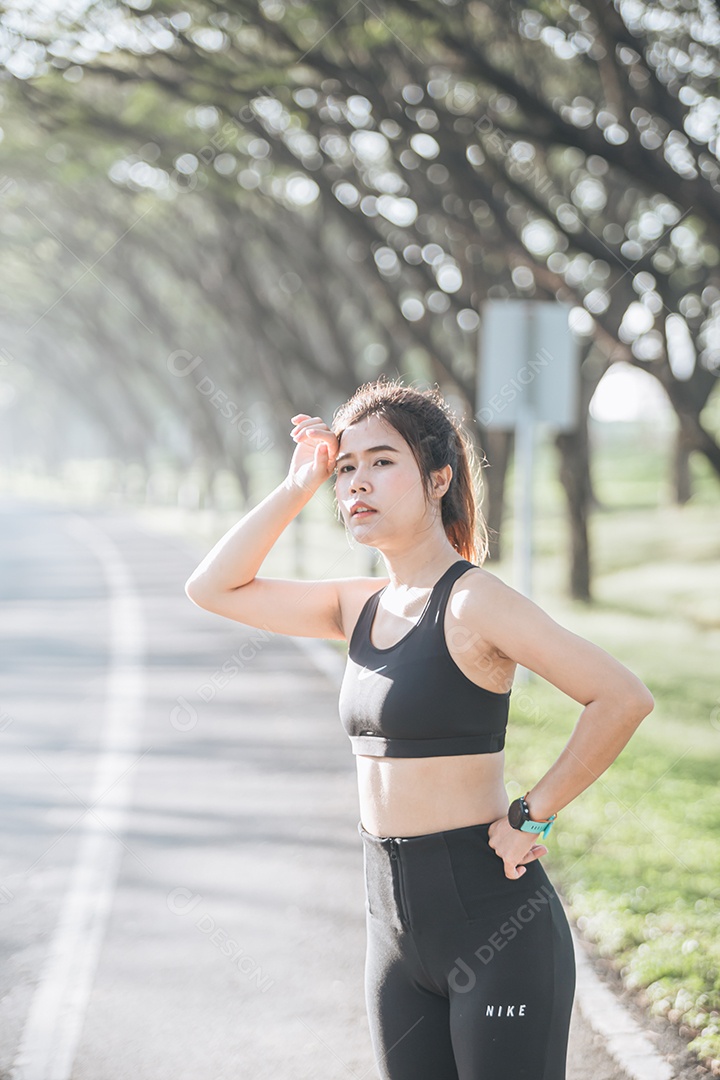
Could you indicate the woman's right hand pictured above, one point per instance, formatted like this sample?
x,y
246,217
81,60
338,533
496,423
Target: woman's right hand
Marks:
x,y
317,448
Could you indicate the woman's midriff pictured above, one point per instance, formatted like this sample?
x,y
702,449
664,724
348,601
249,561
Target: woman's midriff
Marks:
x,y
412,796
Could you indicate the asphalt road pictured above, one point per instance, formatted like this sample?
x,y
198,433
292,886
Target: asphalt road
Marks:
x,y
181,889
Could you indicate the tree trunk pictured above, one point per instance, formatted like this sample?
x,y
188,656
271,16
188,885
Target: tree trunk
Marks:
x,y
682,482
574,448
497,445
575,478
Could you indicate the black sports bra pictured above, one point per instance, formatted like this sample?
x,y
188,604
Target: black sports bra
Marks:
x,y
412,700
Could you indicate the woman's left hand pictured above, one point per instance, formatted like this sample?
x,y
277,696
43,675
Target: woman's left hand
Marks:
x,y
513,846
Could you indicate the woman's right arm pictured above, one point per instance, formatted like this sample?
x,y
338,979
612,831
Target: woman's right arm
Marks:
x,y
225,582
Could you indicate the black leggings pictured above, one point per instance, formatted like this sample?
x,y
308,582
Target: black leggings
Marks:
x,y
469,974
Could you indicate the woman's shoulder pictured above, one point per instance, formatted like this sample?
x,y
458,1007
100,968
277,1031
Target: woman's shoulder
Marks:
x,y
353,595
481,582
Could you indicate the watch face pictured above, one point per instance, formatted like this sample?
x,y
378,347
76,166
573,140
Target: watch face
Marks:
x,y
515,814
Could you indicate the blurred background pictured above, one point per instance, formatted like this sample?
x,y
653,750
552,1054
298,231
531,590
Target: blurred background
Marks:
x,y
213,218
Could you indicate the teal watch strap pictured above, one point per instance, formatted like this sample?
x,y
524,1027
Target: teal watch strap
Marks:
x,y
542,827
528,825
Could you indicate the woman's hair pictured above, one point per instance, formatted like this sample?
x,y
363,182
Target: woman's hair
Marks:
x,y
436,437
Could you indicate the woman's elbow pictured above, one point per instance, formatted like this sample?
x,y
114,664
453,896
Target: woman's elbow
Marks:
x,y
643,703
195,591
630,698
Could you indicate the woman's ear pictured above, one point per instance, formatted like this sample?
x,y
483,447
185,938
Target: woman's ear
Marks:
x,y
441,481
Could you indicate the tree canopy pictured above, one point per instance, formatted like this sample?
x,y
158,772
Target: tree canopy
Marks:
x,y
305,194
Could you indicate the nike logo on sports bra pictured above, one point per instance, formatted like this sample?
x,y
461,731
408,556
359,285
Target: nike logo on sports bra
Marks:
x,y
367,672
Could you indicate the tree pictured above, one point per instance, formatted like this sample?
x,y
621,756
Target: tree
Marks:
x,y
438,155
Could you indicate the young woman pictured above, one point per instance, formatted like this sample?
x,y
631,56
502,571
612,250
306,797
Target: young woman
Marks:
x,y
470,971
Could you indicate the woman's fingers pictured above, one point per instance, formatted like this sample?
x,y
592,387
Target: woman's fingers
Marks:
x,y
313,429
303,425
535,852
311,432
514,868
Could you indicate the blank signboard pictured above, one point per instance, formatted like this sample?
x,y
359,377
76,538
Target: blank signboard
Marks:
x,y
528,365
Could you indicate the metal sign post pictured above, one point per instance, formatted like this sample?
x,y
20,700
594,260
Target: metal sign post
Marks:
x,y
523,498
525,421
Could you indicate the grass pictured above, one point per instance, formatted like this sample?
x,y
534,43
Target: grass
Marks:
x,y
636,855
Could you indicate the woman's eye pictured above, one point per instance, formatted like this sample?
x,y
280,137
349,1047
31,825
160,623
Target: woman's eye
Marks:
x,y
380,461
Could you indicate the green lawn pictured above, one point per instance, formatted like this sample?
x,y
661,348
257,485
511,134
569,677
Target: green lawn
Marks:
x,y
637,854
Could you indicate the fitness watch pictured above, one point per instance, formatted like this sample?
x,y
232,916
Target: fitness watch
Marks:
x,y
519,817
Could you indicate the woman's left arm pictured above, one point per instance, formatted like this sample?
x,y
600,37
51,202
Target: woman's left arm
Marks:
x,y
616,701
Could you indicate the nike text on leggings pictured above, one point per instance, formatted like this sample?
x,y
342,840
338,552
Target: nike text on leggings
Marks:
x,y
469,974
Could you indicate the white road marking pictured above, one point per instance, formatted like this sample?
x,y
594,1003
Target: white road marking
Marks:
x,y
54,1023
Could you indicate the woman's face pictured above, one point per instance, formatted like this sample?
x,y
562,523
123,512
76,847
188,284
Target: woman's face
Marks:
x,y
387,478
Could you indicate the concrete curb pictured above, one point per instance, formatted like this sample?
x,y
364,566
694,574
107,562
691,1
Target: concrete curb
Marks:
x,y
623,1037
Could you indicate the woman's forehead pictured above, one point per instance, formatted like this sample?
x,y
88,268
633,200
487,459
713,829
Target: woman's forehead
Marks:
x,y
359,434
